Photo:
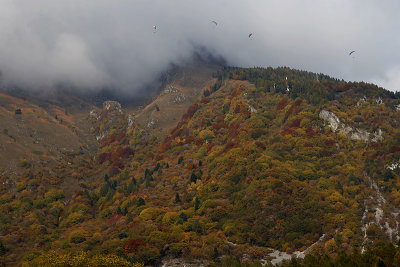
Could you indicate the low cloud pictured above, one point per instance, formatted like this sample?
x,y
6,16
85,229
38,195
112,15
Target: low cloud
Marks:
x,y
95,44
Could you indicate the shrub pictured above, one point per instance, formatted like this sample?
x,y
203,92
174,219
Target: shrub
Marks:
x,y
176,249
206,134
73,218
150,213
170,218
53,195
81,258
77,237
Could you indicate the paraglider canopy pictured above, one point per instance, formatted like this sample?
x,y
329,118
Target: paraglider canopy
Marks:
x,y
250,35
213,21
351,52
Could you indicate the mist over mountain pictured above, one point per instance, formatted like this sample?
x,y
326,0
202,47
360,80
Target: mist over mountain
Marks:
x,y
94,45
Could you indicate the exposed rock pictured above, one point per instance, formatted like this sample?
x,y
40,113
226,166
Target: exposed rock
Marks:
x,y
394,165
252,109
351,132
101,135
112,106
152,123
93,114
376,204
331,118
170,89
277,257
336,104
397,107
180,98
361,101
130,121
379,101
377,136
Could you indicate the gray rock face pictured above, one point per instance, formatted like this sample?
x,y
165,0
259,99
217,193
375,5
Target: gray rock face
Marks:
x,y
130,121
351,132
112,106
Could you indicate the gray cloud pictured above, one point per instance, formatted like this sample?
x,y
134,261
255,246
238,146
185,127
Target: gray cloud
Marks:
x,y
96,43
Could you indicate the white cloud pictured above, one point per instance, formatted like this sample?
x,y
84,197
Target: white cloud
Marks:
x,y
111,42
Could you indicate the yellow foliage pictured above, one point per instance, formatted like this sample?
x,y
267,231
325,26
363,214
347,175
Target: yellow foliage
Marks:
x,y
206,134
81,259
150,213
170,217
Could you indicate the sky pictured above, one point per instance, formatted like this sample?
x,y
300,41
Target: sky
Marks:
x,y
92,44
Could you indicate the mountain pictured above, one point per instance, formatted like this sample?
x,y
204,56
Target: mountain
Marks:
x,y
224,166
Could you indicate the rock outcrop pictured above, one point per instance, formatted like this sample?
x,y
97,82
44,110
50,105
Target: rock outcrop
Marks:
x,y
351,132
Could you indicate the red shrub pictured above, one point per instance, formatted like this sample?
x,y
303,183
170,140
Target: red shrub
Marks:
x,y
205,100
260,145
237,109
394,149
114,219
126,152
103,157
330,142
288,131
310,132
228,146
295,123
189,139
209,146
237,91
132,245
219,123
198,141
177,130
282,103
190,112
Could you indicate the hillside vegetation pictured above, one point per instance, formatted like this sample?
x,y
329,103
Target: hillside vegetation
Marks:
x,y
256,167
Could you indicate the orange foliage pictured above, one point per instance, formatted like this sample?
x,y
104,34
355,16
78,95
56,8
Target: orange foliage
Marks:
x,y
310,133
282,103
190,112
205,100
330,142
295,123
288,131
237,91
260,145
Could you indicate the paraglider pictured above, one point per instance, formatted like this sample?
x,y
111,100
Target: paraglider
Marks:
x,y
250,35
351,52
213,21
154,29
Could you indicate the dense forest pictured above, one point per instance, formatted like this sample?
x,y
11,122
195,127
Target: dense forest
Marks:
x,y
251,168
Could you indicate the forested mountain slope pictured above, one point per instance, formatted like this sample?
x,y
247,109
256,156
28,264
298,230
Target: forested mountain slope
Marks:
x,y
268,164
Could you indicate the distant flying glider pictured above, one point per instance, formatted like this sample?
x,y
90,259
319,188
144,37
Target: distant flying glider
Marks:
x,y
351,52
213,21
250,35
